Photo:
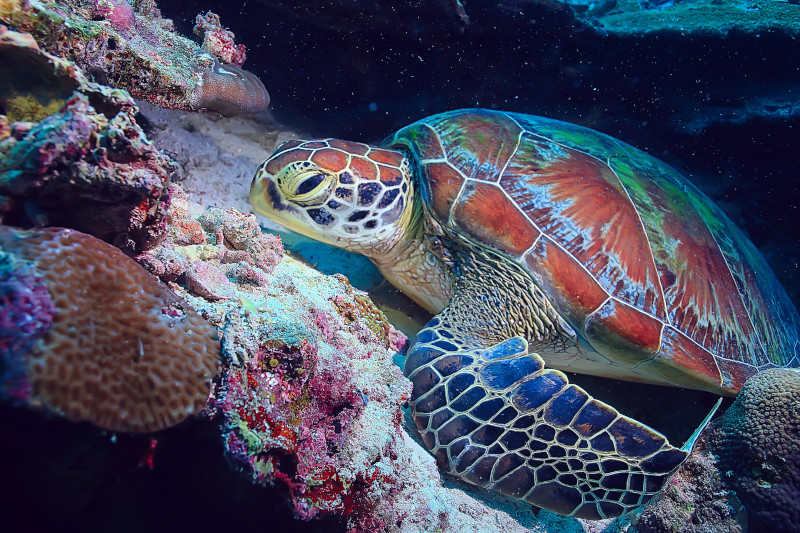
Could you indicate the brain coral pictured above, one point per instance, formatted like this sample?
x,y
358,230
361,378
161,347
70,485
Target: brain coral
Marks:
x,y
758,445
123,352
229,90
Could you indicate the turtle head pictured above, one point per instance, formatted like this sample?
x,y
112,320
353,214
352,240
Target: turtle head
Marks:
x,y
346,194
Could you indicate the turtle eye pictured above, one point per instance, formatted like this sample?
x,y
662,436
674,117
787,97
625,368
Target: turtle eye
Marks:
x,y
306,186
309,184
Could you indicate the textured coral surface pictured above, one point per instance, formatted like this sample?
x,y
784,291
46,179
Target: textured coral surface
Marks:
x,y
122,352
695,500
758,444
129,45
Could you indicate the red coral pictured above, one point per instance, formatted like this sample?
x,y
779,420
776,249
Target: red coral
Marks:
x,y
219,41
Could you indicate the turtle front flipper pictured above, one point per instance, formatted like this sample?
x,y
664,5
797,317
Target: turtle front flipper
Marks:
x,y
494,416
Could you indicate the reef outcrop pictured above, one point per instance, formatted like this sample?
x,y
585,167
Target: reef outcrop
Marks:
x,y
744,474
758,445
72,153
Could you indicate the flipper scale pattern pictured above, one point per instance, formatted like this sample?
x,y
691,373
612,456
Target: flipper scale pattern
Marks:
x,y
497,417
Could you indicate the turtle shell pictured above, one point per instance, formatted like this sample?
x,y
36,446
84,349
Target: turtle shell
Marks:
x,y
639,262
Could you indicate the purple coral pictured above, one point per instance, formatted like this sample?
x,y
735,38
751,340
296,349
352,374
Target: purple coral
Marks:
x,y
27,314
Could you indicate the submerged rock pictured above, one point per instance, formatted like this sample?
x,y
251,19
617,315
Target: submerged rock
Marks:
x,y
74,154
131,46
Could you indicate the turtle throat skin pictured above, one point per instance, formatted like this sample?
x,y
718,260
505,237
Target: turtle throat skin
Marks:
x,y
413,266
357,197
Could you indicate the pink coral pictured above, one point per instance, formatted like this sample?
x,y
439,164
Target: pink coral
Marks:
x,y
219,41
118,12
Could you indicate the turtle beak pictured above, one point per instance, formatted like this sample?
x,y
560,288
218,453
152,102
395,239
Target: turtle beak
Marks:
x,y
265,196
260,198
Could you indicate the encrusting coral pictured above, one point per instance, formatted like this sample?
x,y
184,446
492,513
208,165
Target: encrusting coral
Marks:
x,y
114,347
131,46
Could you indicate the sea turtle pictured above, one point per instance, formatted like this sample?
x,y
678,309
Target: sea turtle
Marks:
x,y
541,247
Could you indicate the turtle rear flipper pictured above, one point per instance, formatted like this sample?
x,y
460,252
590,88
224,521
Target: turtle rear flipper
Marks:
x,y
494,416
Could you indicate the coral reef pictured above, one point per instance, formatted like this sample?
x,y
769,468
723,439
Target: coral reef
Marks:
x,y
120,350
129,45
87,165
636,17
309,398
616,17
744,473
758,445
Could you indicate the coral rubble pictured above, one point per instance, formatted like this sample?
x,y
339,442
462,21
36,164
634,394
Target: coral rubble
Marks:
x,y
129,45
111,345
